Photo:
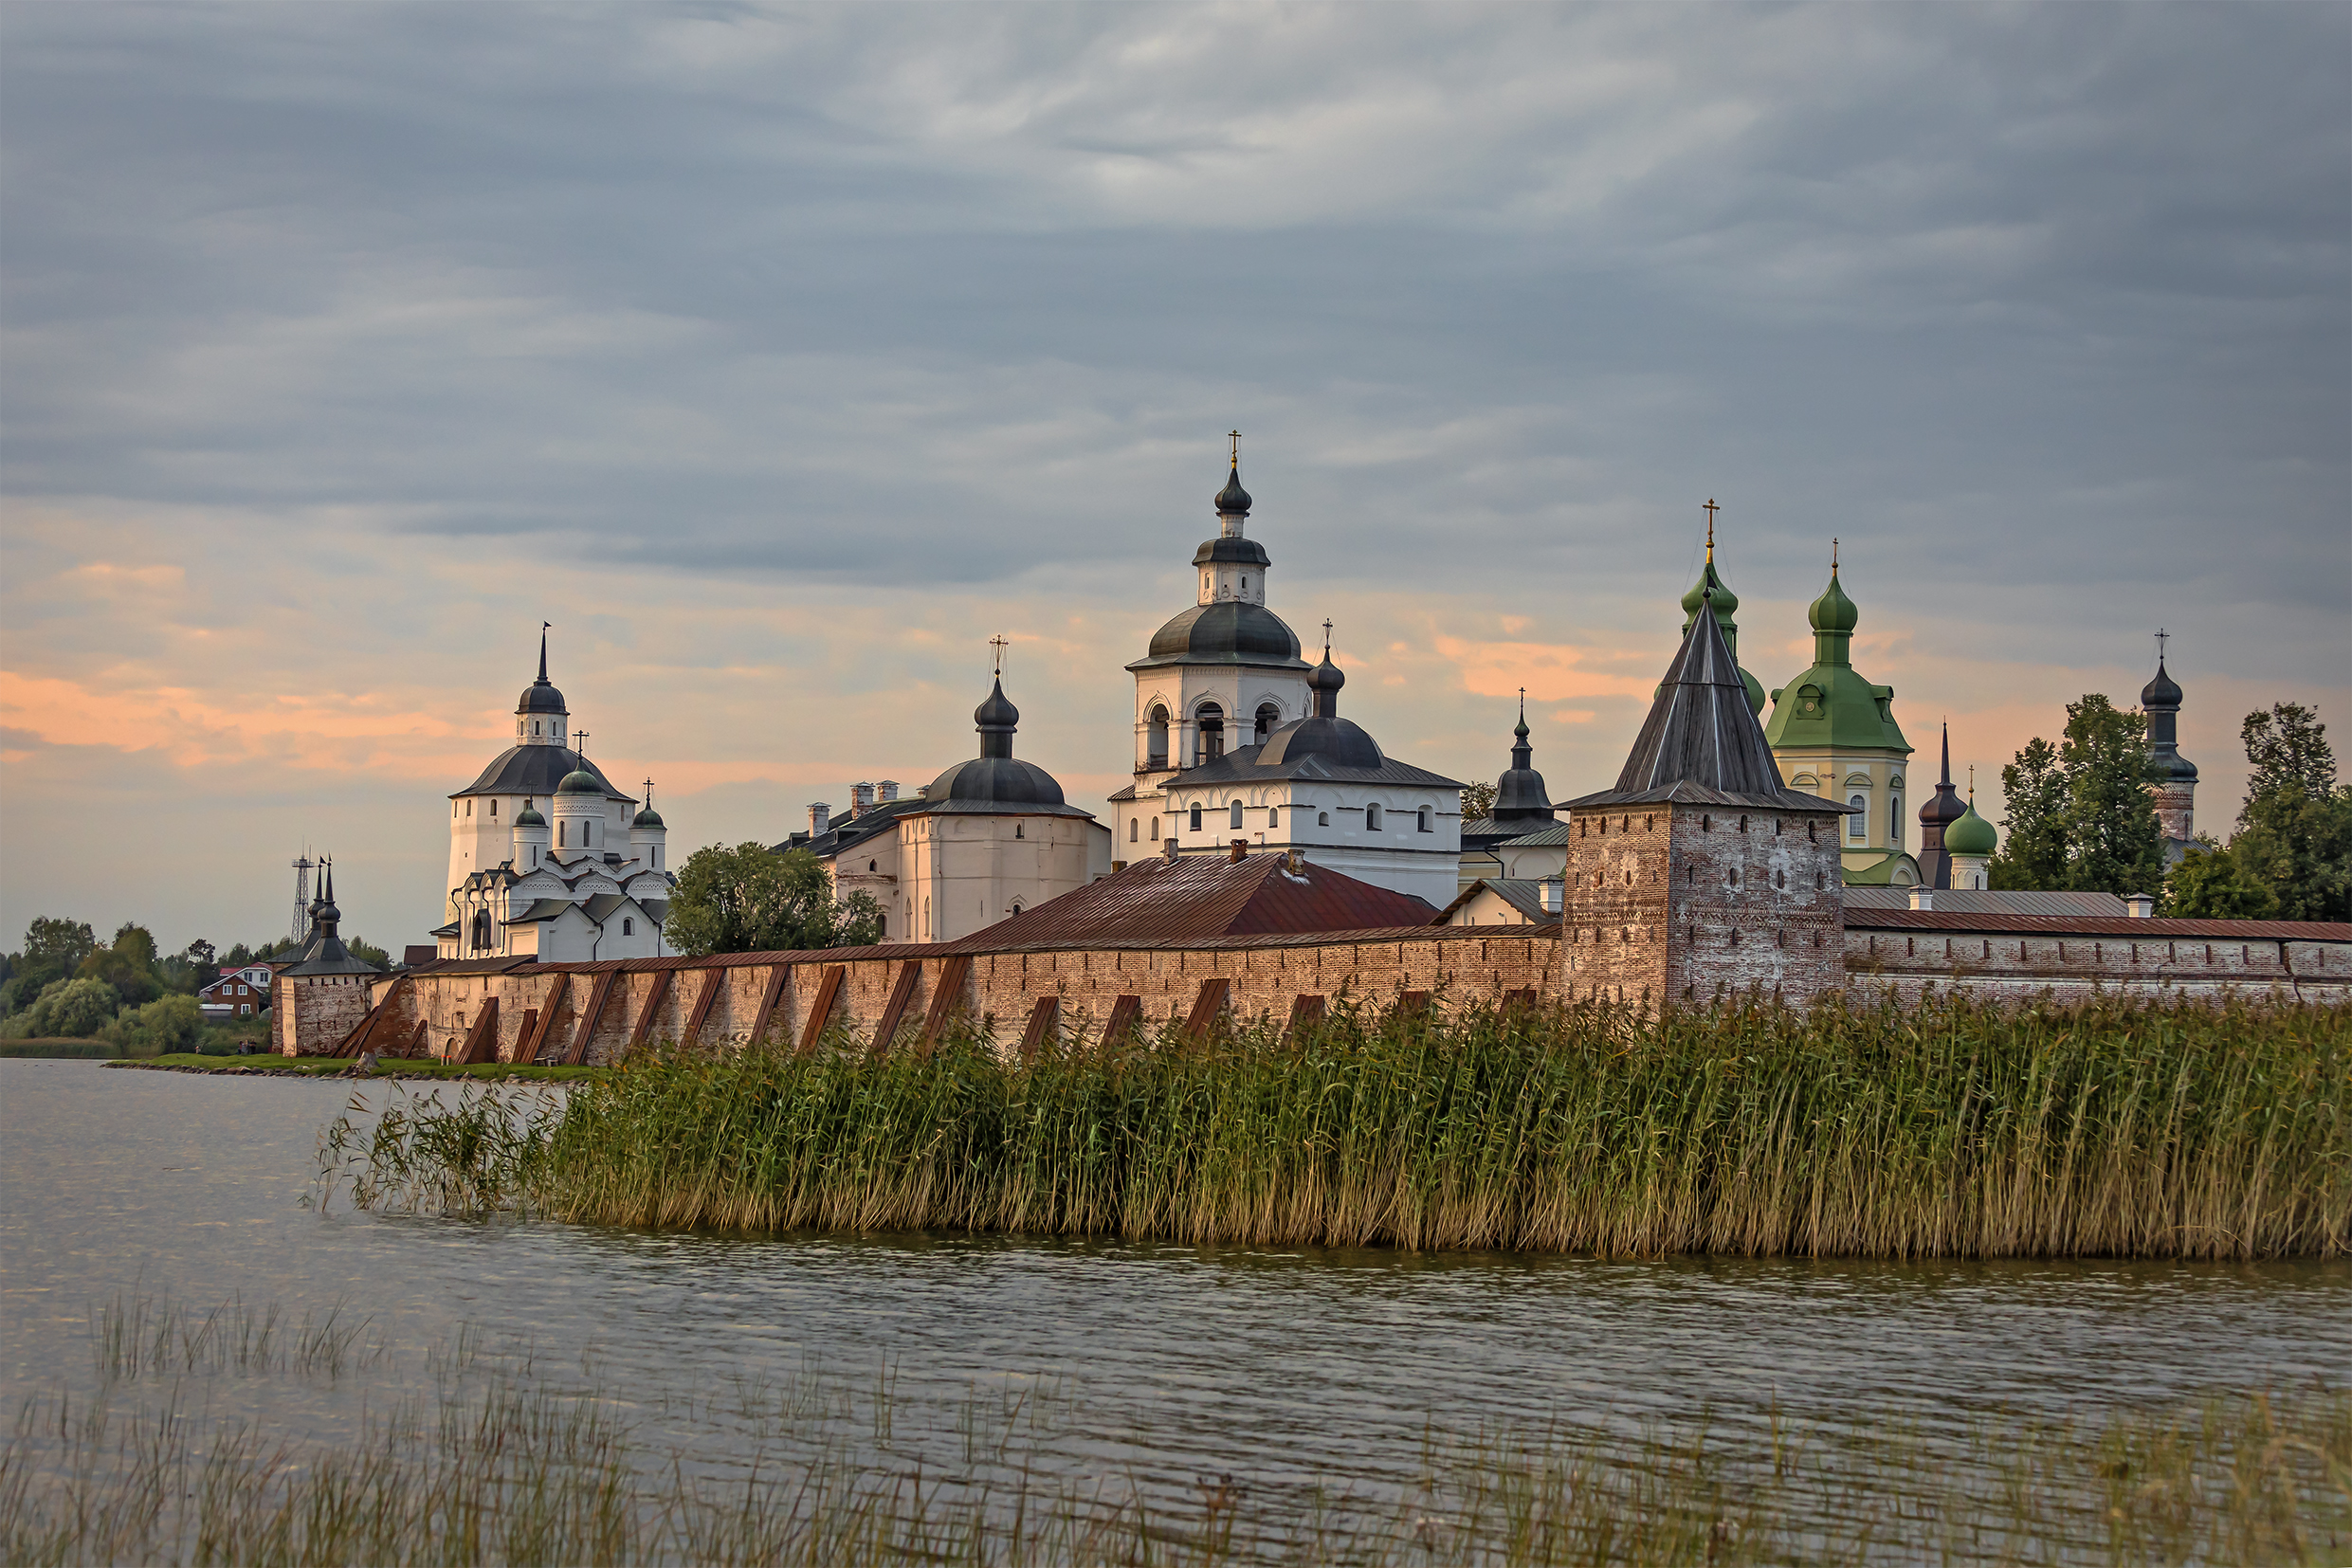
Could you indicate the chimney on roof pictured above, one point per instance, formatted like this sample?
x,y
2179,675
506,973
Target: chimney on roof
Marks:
x,y
861,798
1241,851
820,819
2140,906
1168,847
1923,897
1298,861
887,789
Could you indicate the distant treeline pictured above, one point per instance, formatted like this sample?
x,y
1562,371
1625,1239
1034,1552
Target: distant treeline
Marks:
x,y
62,983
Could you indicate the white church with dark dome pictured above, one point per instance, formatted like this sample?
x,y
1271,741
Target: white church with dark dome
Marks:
x,y
546,858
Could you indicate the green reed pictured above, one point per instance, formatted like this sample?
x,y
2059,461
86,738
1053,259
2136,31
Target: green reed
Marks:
x,y
1951,1129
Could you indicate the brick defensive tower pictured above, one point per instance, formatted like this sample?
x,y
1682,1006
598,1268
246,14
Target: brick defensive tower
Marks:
x,y
1701,875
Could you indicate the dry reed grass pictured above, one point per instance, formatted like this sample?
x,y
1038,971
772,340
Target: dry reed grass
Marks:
x,y
1949,1130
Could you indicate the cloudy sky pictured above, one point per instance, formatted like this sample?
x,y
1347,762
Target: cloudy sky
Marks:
x,y
781,356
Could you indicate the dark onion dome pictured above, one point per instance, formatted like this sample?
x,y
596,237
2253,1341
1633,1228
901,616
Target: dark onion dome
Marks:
x,y
1233,498
535,770
996,778
1520,795
580,781
1229,550
1230,630
540,697
1970,834
648,818
2163,692
1945,805
1338,742
529,817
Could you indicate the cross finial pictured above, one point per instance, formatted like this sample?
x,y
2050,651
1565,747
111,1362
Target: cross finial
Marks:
x,y
1972,783
2160,636
648,792
1235,437
1326,642
579,743
1523,704
1711,510
1832,557
1000,643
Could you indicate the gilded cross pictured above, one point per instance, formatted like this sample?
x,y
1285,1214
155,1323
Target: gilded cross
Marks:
x,y
1235,437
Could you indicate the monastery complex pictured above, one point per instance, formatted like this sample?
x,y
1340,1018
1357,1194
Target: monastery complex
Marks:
x,y
1270,859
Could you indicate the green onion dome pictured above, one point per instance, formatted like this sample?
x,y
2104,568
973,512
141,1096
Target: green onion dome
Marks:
x,y
580,781
1970,834
529,817
1726,602
1834,612
647,818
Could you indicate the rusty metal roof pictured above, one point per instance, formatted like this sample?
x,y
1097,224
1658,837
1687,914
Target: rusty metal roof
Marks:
x,y
1196,897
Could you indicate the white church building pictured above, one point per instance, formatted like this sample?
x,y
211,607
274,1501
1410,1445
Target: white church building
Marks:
x,y
546,858
1236,737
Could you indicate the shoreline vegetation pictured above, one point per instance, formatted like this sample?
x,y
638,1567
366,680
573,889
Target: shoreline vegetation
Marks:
x,y
2108,1129
489,1454
272,1065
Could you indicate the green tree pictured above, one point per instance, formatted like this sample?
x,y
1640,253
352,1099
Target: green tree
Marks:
x,y
750,899
167,1024
53,950
136,943
2287,748
367,952
2115,843
2209,884
2080,814
73,1009
133,985
2033,850
1477,801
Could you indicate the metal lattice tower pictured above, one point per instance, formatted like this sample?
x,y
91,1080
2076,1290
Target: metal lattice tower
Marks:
x,y
302,863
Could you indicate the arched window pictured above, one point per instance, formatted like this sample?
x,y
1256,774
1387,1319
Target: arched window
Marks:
x,y
1323,819
1134,828
1197,819
1154,830
1020,829
535,855
1245,585
1235,819
1858,825
535,726
1211,738
881,926
562,827
1155,741
1429,820
629,926
926,919
1017,906
588,831
1269,719
1372,817
1274,816
1895,822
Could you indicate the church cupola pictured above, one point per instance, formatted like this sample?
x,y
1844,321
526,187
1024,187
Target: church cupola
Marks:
x,y
1711,587
2175,776
1232,567
1520,795
541,717
533,839
1324,681
579,814
998,721
1936,817
1970,841
648,835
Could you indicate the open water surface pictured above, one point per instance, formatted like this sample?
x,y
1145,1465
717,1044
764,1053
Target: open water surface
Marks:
x,y
1275,1365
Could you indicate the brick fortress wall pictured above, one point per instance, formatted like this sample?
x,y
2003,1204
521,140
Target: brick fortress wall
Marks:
x,y
1691,905
312,1012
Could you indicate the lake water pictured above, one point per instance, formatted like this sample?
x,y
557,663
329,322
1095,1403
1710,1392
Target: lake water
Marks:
x,y
1278,1365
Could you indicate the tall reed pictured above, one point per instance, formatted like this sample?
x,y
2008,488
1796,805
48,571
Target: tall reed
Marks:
x,y
2102,1129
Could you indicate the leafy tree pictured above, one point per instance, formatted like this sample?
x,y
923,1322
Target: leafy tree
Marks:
x,y
133,985
750,900
368,953
168,1024
2080,812
2034,851
71,1008
2209,883
2288,750
53,950
136,943
1477,801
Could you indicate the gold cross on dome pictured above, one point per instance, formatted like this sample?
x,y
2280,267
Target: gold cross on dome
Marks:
x,y
1000,643
1236,436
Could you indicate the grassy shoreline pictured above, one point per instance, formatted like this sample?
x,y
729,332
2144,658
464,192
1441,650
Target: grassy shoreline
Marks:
x,y
1953,1130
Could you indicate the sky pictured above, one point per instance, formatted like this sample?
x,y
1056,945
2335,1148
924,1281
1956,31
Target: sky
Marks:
x,y
781,356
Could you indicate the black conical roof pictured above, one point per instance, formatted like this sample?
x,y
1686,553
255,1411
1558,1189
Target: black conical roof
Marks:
x,y
2163,692
1702,743
1232,498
